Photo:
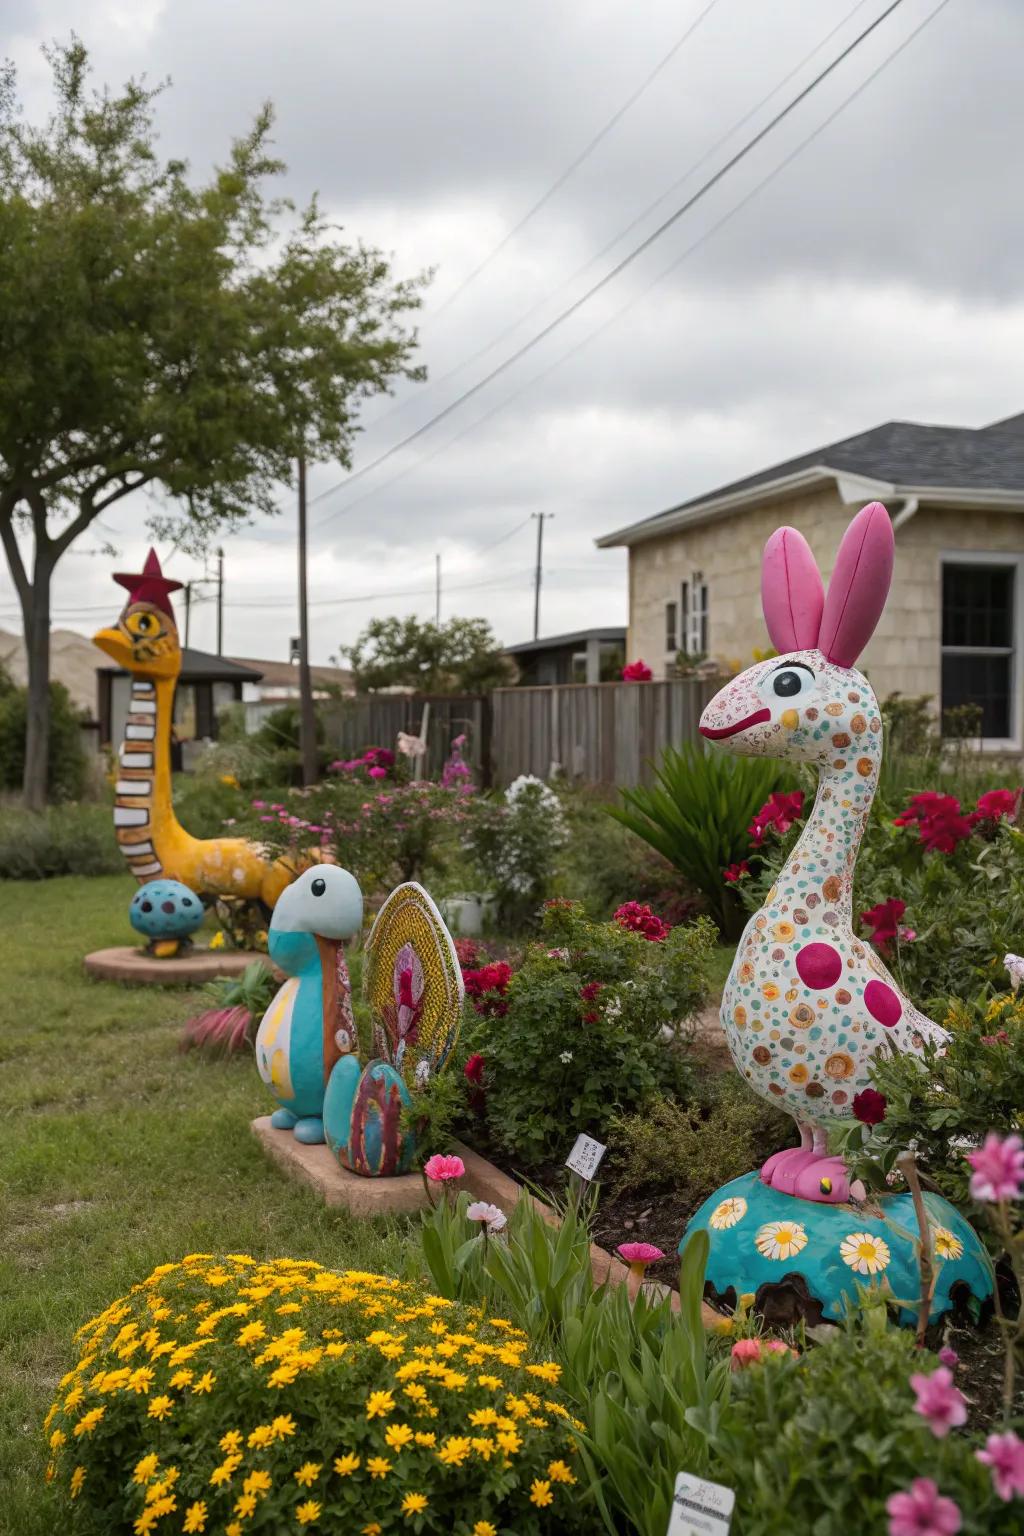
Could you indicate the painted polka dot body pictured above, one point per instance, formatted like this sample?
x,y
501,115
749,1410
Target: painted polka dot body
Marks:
x,y
807,1003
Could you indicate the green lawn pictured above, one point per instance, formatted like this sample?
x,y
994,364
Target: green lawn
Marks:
x,y
118,1153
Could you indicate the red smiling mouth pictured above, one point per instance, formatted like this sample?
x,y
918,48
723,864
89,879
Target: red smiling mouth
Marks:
x,y
716,733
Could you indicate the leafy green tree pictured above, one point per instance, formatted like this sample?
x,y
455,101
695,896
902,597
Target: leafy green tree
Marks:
x,y
192,339
461,656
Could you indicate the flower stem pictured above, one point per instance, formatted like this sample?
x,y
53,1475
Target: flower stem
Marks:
x,y
907,1164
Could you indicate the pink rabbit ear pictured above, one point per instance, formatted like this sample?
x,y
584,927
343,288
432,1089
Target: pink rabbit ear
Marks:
x,y
859,585
791,591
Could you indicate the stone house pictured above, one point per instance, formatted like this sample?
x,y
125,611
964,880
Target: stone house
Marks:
x,y
953,627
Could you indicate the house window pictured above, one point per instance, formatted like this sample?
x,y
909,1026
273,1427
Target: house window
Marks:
x,y
671,637
694,606
978,649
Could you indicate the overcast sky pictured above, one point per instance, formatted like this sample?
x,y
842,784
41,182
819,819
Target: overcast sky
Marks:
x,y
878,275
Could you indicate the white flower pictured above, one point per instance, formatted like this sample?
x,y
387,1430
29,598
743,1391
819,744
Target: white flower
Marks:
x,y
727,1213
1015,965
565,1056
490,1215
780,1239
865,1253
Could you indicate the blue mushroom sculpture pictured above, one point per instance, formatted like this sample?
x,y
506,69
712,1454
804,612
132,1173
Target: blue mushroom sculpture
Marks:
x,y
167,913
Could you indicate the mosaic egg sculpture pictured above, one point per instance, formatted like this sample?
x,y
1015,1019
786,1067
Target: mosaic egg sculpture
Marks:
x,y
413,984
804,1258
309,1023
167,913
808,1005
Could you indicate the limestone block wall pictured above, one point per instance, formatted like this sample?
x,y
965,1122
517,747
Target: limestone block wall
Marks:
x,y
904,653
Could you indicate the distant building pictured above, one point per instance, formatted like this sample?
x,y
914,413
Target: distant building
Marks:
x,y
205,686
277,684
586,656
953,627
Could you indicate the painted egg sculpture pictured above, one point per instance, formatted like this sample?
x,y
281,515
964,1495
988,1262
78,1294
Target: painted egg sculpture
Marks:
x,y
165,909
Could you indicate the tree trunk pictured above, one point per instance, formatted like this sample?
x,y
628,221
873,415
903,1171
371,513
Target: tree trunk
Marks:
x,y
36,615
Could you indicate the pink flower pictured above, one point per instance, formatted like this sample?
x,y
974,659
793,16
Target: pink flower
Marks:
x,y
733,872
745,1352
922,1511
637,917
441,1169
779,811
637,672
1004,1455
994,804
377,772
949,1356
938,1401
492,1216
884,919
639,1253
998,1168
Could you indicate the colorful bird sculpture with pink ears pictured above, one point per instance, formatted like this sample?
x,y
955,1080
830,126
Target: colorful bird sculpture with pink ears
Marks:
x,y
807,1004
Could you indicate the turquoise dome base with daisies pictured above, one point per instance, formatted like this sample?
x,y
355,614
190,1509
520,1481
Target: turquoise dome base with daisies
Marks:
x,y
805,1259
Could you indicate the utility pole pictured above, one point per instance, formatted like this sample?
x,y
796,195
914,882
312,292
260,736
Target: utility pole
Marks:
x,y
437,602
540,516
307,716
188,609
220,602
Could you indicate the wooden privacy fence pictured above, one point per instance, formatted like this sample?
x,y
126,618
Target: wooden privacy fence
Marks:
x,y
351,725
598,733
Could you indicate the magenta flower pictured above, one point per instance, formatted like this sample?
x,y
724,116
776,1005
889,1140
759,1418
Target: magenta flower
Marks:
x,y
637,672
1004,1456
641,1254
939,1401
949,1356
440,1169
998,1168
922,1512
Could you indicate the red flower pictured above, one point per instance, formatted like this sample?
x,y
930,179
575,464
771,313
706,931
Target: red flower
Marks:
x,y
468,952
1002,1038
940,824
779,811
487,986
885,920
994,805
637,917
474,1068
733,872
588,994
869,1106
637,672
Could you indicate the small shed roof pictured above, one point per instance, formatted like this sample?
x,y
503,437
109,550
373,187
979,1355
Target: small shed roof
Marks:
x,y
203,667
561,642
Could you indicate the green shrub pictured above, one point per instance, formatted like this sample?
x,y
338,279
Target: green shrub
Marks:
x,y
578,1036
515,841
818,1442
604,864
279,1396
940,1100
696,815
61,840
694,1148
68,768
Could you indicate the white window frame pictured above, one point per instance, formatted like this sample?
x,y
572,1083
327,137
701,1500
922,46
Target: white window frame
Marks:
x,y
1013,742
672,635
695,622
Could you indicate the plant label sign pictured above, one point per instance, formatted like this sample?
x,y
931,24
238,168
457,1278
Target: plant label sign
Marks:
x,y
700,1508
585,1157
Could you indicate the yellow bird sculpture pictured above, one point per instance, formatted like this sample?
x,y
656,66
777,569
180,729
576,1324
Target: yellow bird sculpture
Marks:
x,y
144,641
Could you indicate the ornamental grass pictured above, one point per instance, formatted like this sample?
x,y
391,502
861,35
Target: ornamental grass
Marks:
x,y
236,1396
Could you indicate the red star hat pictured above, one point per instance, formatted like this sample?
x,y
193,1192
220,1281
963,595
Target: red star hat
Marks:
x,y
150,586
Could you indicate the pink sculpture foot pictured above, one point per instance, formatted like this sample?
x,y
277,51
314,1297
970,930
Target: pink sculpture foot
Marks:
x,y
824,1179
783,1166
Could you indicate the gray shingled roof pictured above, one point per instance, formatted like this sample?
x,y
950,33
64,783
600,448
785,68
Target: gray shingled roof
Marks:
x,y
906,454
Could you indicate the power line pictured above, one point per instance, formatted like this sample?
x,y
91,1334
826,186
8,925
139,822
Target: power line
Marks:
x,y
620,266
570,170
371,597
436,383
676,262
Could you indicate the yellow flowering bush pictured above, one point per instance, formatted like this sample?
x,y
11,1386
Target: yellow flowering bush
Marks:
x,y
233,1396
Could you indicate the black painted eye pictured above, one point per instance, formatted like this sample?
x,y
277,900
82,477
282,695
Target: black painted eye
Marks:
x,y
786,684
318,887
147,906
